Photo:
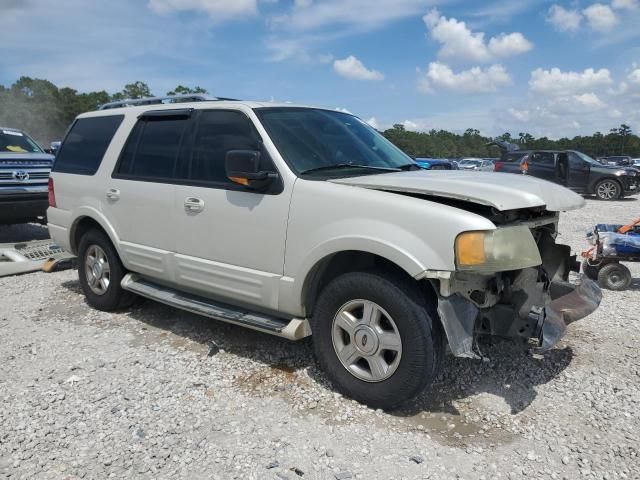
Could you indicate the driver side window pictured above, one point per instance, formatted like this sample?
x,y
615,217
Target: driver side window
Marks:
x,y
218,132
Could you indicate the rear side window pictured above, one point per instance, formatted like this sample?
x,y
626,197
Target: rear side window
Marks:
x,y
84,146
152,148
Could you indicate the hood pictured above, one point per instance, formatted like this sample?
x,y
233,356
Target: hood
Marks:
x,y
8,158
503,191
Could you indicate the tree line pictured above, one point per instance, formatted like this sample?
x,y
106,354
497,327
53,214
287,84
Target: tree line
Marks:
x,y
45,111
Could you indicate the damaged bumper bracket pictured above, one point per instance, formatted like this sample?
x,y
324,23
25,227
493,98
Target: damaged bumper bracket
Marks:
x,y
564,303
571,303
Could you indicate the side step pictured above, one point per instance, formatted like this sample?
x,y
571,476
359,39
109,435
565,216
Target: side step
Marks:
x,y
294,329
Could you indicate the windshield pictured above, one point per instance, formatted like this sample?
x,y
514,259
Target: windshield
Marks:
x,y
312,139
16,142
587,159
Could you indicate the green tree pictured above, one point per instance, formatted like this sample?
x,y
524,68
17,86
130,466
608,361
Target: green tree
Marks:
x,y
182,90
133,90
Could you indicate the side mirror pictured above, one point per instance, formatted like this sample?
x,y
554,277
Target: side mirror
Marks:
x,y
243,167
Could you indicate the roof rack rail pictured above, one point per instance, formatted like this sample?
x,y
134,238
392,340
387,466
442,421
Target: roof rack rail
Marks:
x,y
188,97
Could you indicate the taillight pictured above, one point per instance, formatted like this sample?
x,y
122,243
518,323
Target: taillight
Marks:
x,y
497,166
52,193
524,165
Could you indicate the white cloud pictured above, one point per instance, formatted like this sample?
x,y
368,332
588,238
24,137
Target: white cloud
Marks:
x,y
302,3
474,80
557,82
520,115
625,4
373,122
600,17
217,9
507,45
459,42
354,69
634,77
564,20
362,14
589,101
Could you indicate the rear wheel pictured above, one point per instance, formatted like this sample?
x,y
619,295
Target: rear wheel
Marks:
x,y
375,338
608,189
101,271
614,276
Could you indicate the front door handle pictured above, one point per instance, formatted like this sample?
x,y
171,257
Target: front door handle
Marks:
x,y
113,194
192,204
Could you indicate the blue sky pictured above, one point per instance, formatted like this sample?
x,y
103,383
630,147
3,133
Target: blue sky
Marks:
x,y
555,68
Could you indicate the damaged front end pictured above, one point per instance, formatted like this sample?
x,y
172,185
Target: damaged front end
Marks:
x,y
535,302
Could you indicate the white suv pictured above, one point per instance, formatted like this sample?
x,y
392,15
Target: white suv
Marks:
x,y
296,221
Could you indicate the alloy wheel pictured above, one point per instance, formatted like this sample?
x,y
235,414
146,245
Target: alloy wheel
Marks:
x,y
97,270
366,340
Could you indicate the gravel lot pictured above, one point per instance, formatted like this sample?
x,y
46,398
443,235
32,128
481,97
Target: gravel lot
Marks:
x,y
157,393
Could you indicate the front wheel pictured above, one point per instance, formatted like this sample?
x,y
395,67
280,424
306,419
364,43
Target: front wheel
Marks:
x,y
376,337
608,189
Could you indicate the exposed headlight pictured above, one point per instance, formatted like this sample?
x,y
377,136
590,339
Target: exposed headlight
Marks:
x,y
508,248
621,172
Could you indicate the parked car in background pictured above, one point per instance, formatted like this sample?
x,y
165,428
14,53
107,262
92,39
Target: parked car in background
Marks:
x,y
436,164
574,170
24,173
620,161
636,162
299,221
477,164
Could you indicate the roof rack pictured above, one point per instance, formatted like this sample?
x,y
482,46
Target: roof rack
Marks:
x,y
162,100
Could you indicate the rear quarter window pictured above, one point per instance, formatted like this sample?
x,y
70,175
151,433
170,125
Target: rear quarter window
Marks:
x,y
84,146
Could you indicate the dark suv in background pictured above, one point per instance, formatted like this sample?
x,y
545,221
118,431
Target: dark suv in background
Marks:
x,y
24,174
574,170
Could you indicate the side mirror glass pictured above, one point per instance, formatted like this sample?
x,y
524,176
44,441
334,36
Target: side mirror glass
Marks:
x,y
243,167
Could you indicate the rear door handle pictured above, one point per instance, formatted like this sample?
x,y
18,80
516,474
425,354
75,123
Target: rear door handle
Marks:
x,y
113,194
192,204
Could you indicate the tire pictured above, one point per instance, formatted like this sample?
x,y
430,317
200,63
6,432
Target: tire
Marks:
x,y
590,271
614,276
608,189
402,313
105,295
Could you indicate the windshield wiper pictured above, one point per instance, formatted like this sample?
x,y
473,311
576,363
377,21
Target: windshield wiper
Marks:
x,y
349,165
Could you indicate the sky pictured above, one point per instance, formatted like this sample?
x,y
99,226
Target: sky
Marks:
x,y
549,68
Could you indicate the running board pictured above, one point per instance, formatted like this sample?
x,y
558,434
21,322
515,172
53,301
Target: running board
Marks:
x,y
294,329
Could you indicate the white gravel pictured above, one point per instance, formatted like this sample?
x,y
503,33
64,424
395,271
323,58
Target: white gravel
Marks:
x,y
157,393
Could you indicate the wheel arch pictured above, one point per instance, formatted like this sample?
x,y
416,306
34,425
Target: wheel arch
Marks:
x,y
337,263
86,221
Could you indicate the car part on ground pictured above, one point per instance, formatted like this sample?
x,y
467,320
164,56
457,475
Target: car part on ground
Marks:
x,y
296,220
612,244
26,257
24,171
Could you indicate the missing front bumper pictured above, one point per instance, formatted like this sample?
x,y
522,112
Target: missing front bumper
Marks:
x,y
574,303
532,311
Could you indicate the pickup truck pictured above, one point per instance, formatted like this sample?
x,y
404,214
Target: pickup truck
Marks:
x,y
24,173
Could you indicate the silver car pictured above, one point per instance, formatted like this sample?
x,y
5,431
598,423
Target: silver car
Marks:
x,y
477,164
